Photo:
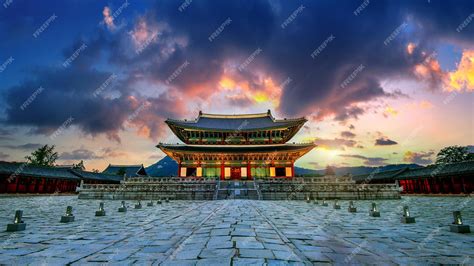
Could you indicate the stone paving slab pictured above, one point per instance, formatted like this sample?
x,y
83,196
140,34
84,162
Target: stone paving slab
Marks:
x,y
235,232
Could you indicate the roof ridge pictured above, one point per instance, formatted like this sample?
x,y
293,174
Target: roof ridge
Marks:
x,y
125,165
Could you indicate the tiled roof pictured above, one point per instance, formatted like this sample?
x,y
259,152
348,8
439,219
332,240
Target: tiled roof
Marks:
x,y
440,170
96,176
24,169
236,122
236,149
130,170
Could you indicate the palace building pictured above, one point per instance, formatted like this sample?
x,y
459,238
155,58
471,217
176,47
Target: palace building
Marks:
x,y
243,146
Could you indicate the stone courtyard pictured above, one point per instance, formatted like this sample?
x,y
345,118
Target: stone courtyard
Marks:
x,y
235,232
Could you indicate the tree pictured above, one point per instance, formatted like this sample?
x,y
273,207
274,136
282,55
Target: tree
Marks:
x,y
329,170
453,154
44,156
79,166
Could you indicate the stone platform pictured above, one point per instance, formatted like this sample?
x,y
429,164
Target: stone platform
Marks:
x,y
237,232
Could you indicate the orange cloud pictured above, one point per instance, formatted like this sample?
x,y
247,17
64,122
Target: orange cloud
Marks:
x,y
410,48
463,77
260,91
426,104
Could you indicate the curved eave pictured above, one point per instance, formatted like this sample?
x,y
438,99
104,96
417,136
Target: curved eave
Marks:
x,y
170,149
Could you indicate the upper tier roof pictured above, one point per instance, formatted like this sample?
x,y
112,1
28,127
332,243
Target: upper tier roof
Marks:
x,y
245,122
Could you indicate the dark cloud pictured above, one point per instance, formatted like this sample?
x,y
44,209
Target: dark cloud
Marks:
x,y
24,147
368,161
347,134
383,141
79,154
286,52
418,157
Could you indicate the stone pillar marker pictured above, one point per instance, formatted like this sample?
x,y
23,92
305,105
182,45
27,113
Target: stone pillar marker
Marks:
x,y
138,205
167,200
150,204
458,226
374,212
123,207
101,211
336,205
315,202
308,200
325,204
158,201
351,207
406,218
69,217
18,224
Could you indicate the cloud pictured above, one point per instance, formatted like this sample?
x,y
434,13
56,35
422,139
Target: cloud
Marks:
x,y
24,147
79,154
334,144
347,134
368,161
389,111
3,156
169,39
108,18
383,141
418,157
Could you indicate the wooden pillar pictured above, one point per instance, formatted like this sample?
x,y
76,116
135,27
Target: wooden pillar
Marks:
x,y
222,170
249,168
292,170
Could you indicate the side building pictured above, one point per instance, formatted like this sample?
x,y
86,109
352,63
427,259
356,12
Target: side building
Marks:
x,y
245,146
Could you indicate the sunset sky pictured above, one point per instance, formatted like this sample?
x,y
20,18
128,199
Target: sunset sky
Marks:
x,y
380,82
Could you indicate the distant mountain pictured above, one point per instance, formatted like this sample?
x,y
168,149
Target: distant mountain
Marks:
x,y
168,167
355,170
164,167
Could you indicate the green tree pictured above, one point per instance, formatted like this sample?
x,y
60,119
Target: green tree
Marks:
x,y
44,156
453,154
79,166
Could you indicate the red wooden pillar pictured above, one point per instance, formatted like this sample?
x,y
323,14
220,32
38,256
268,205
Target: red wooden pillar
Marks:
x,y
292,170
222,170
179,169
249,172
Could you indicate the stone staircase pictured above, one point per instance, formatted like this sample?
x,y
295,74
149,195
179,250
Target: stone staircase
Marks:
x,y
237,190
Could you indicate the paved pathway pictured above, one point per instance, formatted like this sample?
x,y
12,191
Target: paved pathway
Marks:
x,y
236,232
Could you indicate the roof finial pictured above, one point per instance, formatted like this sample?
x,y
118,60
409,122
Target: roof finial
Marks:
x,y
200,112
269,112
